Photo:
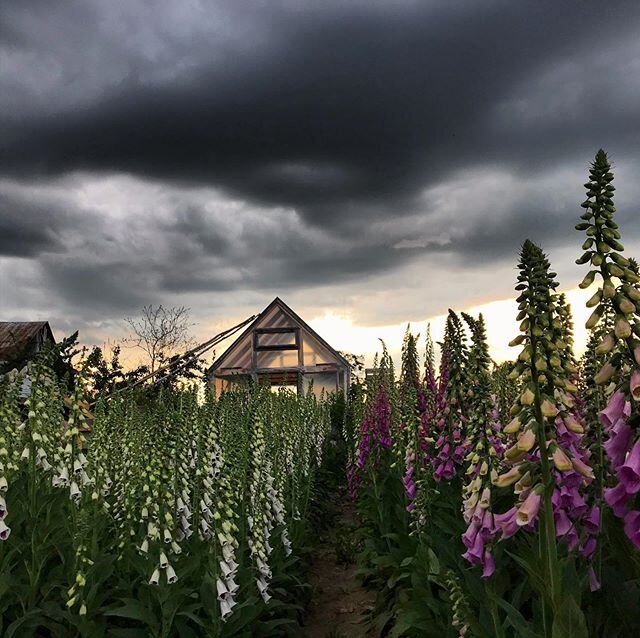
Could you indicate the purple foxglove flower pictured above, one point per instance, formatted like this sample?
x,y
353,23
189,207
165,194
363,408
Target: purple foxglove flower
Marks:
x,y
528,511
591,523
588,548
572,539
487,526
469,537
489,565
629,472
618,444
617,499
634,385
615,409
476,551
507,522
632,527
563,523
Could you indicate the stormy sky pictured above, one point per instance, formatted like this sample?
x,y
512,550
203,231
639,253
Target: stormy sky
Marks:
x,y
376,161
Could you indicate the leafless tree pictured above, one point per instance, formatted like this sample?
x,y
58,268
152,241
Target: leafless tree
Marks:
x,y
160,332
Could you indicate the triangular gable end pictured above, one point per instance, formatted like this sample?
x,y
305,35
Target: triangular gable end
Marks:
x,y
316,351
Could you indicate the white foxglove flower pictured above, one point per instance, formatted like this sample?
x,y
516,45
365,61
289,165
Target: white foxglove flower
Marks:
x,y
155,577
4,486
226,609
172,577
3,508
222,589
175,548
4,531
25,454
74,492
163,560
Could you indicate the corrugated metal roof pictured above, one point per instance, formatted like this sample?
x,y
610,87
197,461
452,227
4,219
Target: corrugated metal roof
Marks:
x,y
17,336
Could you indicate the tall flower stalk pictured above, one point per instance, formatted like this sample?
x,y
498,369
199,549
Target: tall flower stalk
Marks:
x,y
617,295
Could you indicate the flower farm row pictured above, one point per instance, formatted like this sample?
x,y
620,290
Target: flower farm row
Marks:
x,y
503,500
175,518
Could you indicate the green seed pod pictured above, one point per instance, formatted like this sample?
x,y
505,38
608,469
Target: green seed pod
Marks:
x,y
588,279
624,305
595,299
603,247
585,258
622,328
596,315
606,345
615,270
597,259
631,292
608,289
630,276
620,260
604,375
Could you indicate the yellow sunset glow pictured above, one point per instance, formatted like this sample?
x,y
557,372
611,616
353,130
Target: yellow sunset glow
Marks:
x,y
343,334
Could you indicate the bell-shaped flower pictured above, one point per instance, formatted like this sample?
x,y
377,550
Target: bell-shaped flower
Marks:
x,y
523,484
172,577
74,491
164,562
617,498
618,444
3,508
634,385
573,425
4,531
629,471
527,397
526,440
528,511
155,577
582,468
560,459
548,408
616,408
226,609
632,527
488,564
223,592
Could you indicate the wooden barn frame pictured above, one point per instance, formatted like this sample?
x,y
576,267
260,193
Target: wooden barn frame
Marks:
x,y
280,349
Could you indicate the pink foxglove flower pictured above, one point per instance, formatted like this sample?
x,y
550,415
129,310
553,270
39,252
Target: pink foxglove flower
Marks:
x,y
629,472
528,511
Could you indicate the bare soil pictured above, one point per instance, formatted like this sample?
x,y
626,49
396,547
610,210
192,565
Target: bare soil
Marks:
x,y
339,604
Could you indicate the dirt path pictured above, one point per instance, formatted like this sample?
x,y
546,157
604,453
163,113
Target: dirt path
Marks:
x,y
339,604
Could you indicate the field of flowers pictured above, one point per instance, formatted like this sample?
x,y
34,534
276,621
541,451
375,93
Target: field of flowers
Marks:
x,y
503,501
493,500
171,517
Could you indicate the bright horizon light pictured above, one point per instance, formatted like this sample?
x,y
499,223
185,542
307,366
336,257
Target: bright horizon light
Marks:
x,y
343,334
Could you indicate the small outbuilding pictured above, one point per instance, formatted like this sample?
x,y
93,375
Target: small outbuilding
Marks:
x,y
20,341
280,349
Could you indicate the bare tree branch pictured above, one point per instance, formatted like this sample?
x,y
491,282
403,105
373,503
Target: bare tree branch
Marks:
x,y
160,332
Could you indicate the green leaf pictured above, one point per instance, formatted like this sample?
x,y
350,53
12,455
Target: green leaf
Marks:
x,y
569,621
135,610
518,621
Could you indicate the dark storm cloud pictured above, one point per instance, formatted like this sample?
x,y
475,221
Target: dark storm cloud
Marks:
x,y
365,105
336,141
30,227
